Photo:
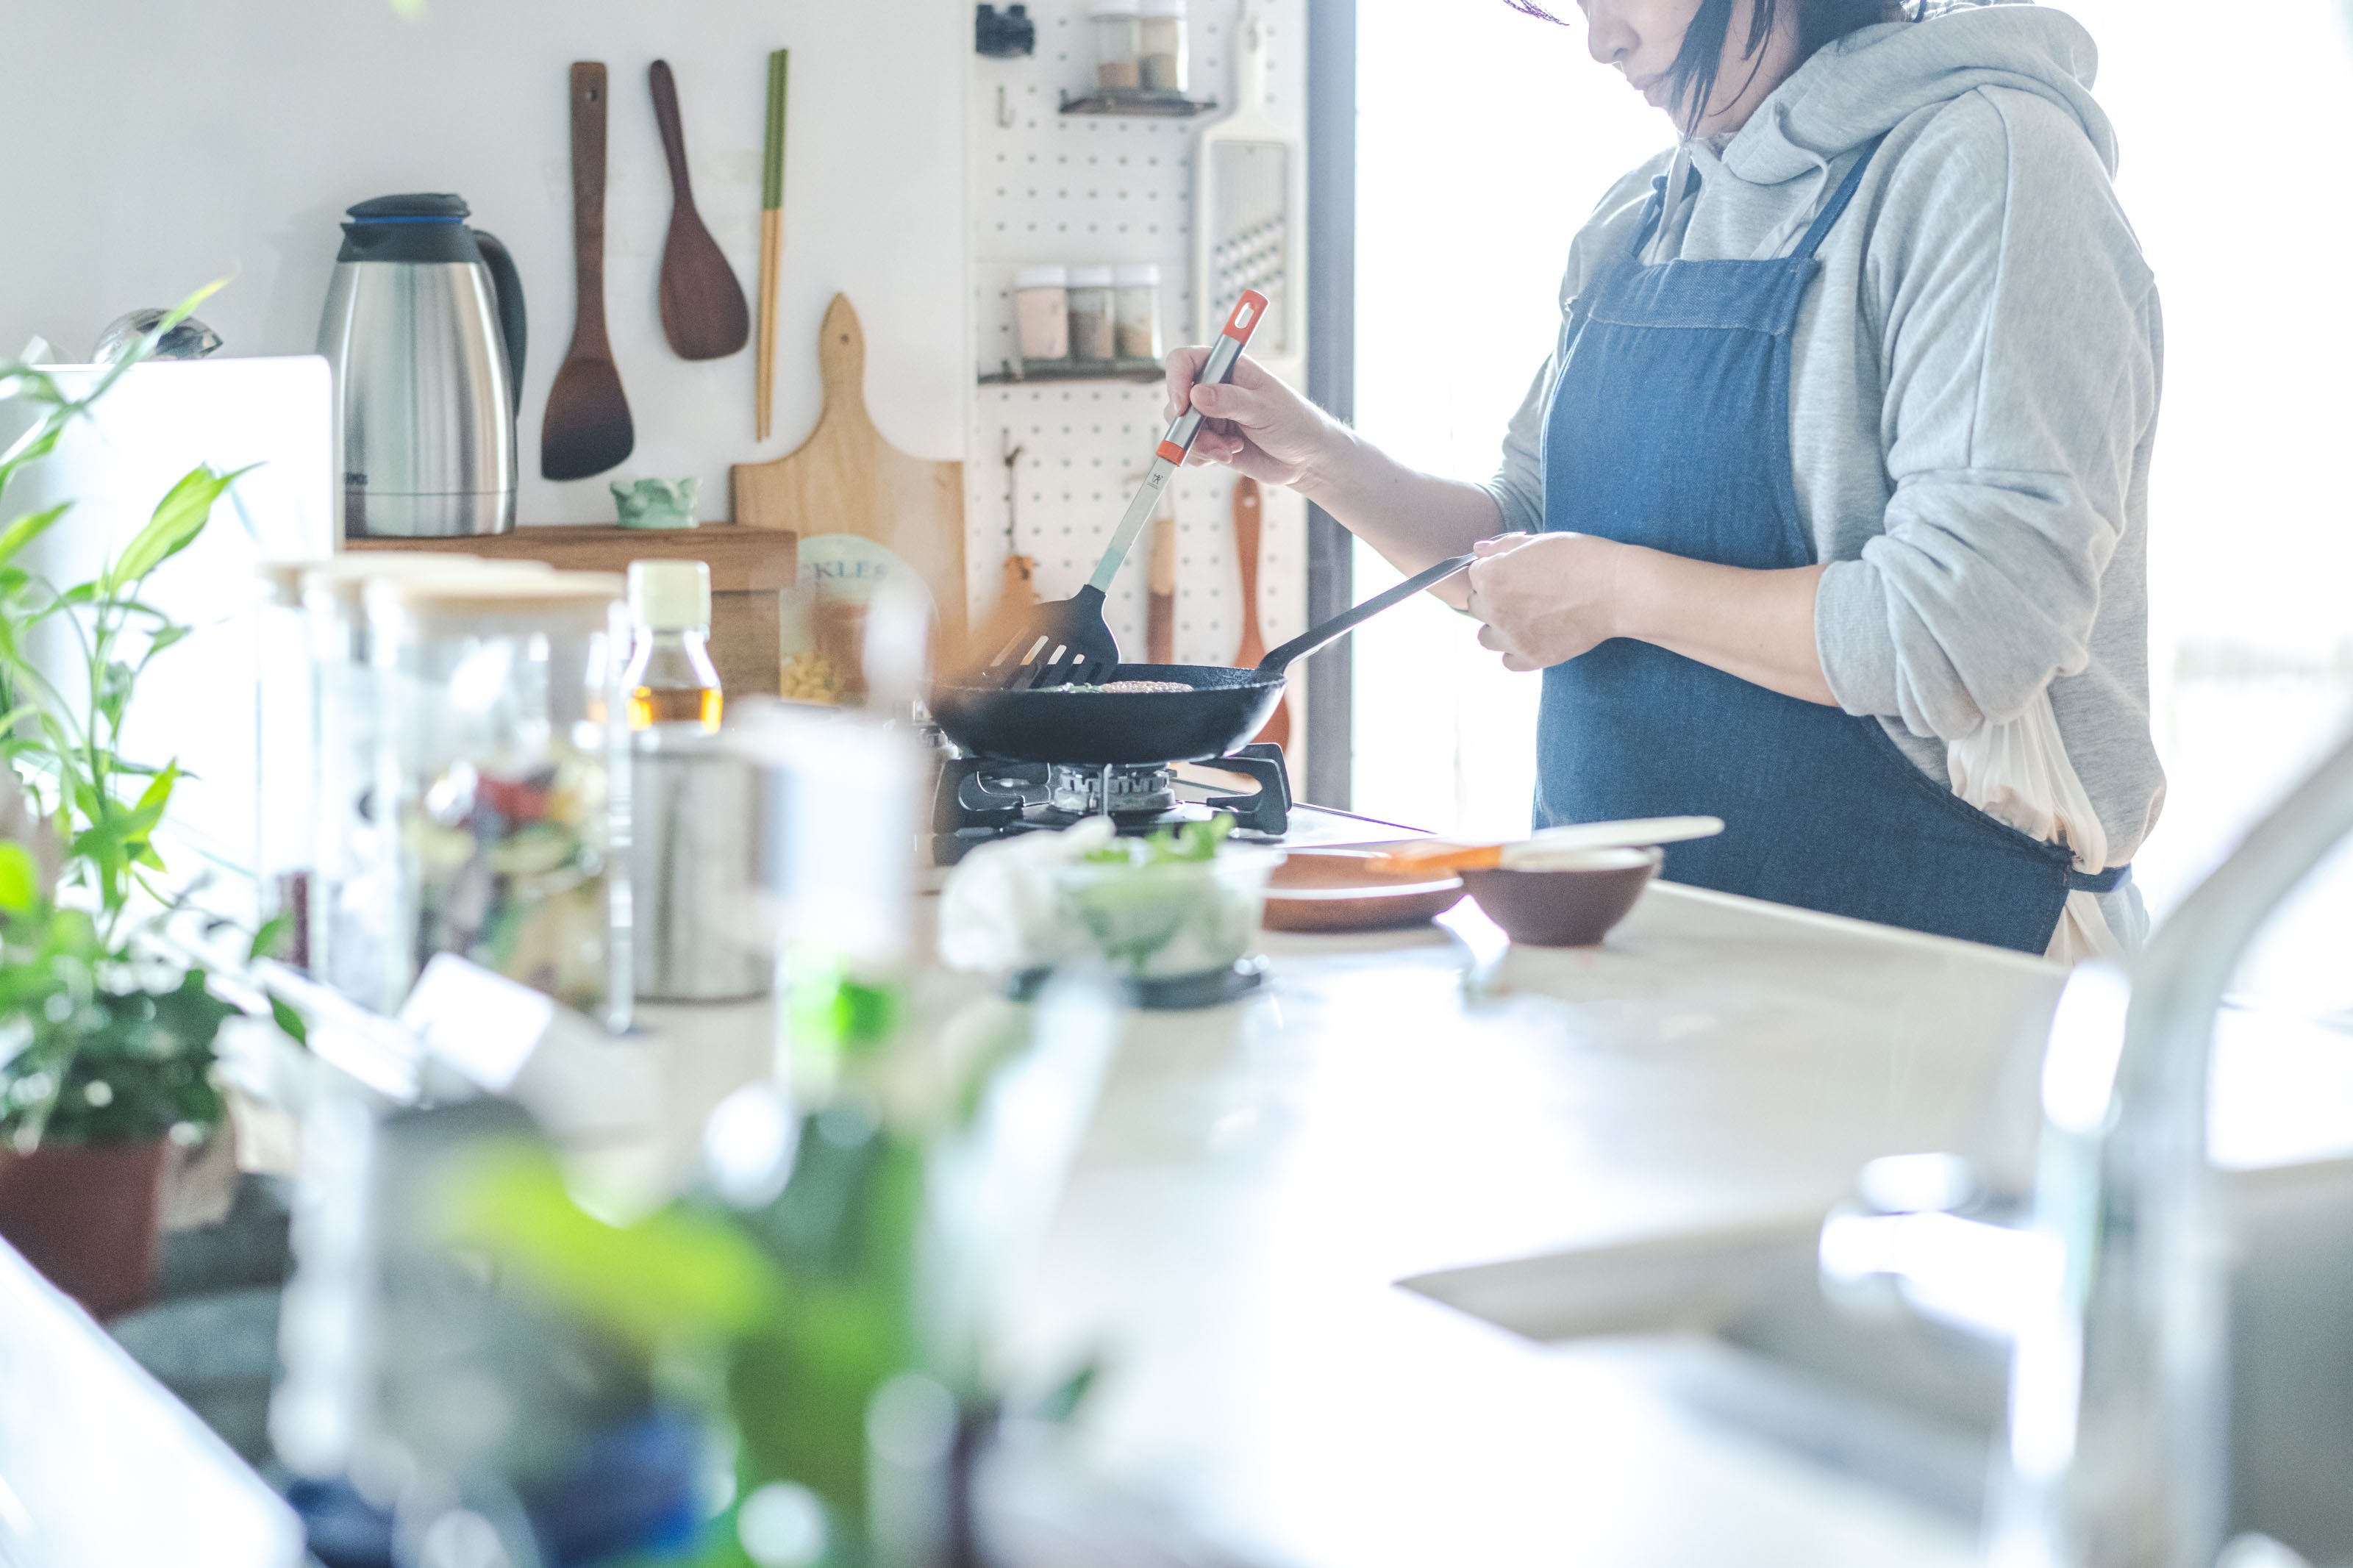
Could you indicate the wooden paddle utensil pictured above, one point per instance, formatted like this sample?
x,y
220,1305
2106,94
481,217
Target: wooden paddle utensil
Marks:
x,y
1248,508
586,428
1160,590
846,478
703,309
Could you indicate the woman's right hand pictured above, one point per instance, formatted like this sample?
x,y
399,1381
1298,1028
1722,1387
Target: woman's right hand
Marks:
x,y
1254,423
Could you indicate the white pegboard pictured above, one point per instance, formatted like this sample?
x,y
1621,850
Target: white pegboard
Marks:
x,y
1047,188
1083,447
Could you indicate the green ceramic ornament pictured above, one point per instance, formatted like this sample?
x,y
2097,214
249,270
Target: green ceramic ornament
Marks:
x,y
656,503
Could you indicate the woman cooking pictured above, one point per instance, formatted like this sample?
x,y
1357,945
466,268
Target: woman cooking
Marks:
x,y
1827,514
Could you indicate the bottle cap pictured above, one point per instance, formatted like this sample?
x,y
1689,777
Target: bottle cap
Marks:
x,y
1146,275
1090,277
669,595
1042,277
1115,7
1159,8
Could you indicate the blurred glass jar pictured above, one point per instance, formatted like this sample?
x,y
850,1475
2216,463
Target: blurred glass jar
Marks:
x,y
1119,41
503,772
1041,307
350,909
1162,58
1094,315
1138,292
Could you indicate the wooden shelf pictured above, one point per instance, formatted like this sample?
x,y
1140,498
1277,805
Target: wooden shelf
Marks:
x,y
1141,370
750,569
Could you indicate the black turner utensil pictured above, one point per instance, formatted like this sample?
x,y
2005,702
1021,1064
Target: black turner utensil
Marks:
x,y
1066,642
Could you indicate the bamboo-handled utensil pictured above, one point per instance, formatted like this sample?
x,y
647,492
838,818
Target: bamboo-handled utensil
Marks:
x,y
1249,509
1068,642
1160,598
1546,850
703,309
586,427
772,241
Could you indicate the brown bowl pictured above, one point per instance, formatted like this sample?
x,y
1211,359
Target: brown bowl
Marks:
x,y
1329,891
1571,907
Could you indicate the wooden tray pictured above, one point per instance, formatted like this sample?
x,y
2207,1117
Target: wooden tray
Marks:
x,y
750,569
1329,891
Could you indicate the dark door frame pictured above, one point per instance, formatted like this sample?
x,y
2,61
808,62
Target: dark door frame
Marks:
x,y
1331,374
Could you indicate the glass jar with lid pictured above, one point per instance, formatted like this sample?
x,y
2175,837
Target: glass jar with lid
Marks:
x,y
1138,309
1161,57
1095,318
1119,37
348,904
502,774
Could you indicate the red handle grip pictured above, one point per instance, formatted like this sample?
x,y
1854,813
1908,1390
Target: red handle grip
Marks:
x,y
1249,310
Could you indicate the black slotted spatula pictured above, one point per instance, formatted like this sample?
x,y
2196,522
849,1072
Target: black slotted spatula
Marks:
x,y
1066,642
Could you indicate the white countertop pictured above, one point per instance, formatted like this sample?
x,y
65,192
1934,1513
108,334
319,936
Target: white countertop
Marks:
x,y
1260,1175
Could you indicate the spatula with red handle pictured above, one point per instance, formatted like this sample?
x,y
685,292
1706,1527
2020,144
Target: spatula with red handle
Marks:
x,y
1068,642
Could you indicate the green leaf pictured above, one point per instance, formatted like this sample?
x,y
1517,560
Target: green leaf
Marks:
x,y
274,939
20,879
25,530
179,517
674,1272
158,793
290,1020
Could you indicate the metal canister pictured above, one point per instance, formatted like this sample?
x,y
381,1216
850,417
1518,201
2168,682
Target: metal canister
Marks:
x,y
696,855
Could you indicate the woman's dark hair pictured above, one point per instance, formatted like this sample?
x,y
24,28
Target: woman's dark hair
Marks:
x,y
1694,72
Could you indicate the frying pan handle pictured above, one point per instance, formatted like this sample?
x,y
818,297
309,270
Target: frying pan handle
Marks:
x,y
1338,626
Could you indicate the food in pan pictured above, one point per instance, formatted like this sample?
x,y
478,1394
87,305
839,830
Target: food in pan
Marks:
x,y
1126,687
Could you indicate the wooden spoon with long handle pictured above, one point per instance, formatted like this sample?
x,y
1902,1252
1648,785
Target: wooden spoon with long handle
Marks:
x,y
1248,509
586,428
703,309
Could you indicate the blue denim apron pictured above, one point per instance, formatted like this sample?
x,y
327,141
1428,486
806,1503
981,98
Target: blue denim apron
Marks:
x,y
1670,428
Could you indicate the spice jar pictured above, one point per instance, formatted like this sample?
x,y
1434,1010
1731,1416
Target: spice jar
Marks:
x,y
350,927
1138,311
1094,321
503,773
1161,55
1041,308
1118,44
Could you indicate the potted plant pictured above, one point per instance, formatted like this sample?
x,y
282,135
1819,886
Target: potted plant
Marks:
x,y
106,1044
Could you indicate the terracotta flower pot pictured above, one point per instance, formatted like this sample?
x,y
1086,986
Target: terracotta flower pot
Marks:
x,y
91,1219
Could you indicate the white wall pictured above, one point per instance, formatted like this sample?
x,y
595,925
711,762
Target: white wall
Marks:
x,y
157,145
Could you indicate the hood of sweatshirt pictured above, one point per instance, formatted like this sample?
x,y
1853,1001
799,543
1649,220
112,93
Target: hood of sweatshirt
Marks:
x,y
1870,81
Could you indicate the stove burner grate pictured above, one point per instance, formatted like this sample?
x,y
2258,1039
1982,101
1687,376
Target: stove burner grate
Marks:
x,y
980,800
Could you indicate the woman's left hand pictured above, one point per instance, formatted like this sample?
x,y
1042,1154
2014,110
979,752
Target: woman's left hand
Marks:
x,y
1546,598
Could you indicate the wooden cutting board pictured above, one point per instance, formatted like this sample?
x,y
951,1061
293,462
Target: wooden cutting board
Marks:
x,y
847,479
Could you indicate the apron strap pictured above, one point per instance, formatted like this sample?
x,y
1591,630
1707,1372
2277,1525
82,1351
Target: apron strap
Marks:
x,y
1839,202
2101,883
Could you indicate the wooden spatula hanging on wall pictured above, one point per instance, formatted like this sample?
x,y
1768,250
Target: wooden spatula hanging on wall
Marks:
x,y
703,309
1248,505
586,428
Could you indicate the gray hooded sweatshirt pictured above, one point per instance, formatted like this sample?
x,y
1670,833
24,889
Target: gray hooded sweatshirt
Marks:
x,y
1976,381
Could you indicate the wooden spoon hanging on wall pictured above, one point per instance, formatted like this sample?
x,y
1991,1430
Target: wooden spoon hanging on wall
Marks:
x,y
1248,507
703,309
586,428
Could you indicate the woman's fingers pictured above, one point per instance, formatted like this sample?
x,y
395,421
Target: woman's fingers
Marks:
x,y
1490,639
1184,366
1501,544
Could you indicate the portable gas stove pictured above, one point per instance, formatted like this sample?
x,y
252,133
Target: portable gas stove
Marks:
x,y
980,799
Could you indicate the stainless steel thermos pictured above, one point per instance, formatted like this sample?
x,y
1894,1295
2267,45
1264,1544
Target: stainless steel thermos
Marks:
x,y
425,327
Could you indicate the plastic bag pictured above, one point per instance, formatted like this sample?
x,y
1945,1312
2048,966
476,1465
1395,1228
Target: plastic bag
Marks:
x,y
2019,773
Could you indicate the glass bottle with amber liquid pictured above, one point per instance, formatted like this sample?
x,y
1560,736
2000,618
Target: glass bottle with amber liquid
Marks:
x,y
670,680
